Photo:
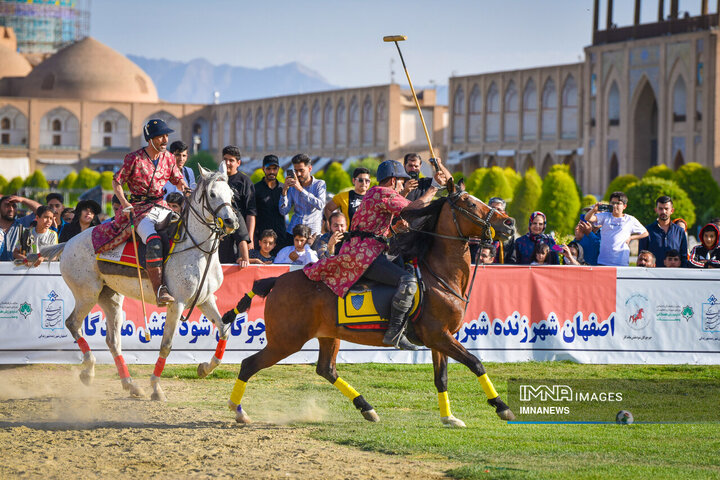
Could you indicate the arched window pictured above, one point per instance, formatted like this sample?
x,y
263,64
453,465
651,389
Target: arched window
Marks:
x,y
492,106
248,130
679,100
270,126
569,109
56,125
59,128
259,130
614,105
226,128
304,125
368,122
530,111
458,126
341,123
381,123
13,126
292,127
111,129
5,123
316,125
107,127
511,117
281,127
475,117
354,112
328,124
239,129
549,110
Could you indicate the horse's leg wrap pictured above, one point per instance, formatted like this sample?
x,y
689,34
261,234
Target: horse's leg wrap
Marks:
x,y
401,303
487,386
220,349
84,347
159,367
121,367
444,404
345,389
237,394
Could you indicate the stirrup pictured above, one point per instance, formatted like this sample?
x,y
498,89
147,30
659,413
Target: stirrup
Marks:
x,y
399,341
163,296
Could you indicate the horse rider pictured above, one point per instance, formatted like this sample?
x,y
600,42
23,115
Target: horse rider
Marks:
x,y
146,171
364,254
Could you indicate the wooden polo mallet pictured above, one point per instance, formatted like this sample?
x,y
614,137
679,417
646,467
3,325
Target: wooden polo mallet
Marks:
x,y
137,260
401,38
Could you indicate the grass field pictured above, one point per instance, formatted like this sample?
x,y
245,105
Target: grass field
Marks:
x,y
406,400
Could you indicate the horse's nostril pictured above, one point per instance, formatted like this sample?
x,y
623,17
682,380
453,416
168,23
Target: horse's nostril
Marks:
x,y
509,222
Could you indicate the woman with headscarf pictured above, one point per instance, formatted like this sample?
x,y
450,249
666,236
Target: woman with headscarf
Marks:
x,y
525,245
86,216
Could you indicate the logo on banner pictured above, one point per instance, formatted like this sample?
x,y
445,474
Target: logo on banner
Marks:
x,y
52,312
637,314
711,315
25,310
687,313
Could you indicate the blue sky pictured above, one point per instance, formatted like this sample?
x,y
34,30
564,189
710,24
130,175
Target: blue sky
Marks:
x,y
342,39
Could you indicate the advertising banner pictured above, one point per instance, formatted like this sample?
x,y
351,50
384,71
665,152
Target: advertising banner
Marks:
x,y
515,313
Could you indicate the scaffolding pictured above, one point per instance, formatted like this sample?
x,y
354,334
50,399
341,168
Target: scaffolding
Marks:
x,y
45,26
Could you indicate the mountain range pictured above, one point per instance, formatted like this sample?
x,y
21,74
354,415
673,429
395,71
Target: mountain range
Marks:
x,y
197,80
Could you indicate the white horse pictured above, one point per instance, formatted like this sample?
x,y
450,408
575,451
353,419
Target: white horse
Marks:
x,y
207,215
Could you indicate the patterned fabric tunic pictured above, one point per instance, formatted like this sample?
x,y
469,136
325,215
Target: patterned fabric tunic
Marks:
x,y
374,216
143,179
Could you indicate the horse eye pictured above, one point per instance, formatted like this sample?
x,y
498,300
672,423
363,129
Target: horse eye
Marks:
x,y
212,195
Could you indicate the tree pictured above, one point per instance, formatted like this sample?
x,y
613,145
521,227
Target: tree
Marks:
x,y
559,201
371,163
3,184
68,182
702,189
36,180
588,201
525,198
620,184
257,175
660,171
14,186
472,184
336,178
106,180
203,158
643,194
494,184
513,179
86,179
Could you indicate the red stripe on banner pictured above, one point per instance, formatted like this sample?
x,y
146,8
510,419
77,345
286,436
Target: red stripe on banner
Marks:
x,y
220,349
159,366
121,367
84,347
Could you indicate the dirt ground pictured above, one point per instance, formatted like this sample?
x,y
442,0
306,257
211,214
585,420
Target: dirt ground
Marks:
x,y
52,426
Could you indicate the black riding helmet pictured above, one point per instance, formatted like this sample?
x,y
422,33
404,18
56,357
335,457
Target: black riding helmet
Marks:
x,y
156,127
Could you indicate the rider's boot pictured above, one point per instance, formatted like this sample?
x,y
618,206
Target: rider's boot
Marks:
x,y
153,265
401,303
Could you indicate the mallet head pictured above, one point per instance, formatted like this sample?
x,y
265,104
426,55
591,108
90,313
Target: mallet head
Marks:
x,y
394,38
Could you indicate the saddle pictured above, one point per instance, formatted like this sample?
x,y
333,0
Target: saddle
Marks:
x,y
121,260
367,306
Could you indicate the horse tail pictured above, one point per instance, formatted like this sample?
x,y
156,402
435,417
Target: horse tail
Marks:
x,y
52,252
260,288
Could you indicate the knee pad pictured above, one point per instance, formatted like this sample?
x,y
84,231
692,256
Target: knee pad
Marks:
x,y
406,290
153,249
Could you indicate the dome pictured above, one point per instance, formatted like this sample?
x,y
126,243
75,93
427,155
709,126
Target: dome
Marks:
x,y
89,70
12,64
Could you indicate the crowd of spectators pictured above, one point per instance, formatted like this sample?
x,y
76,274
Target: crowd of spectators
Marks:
x,y
318,226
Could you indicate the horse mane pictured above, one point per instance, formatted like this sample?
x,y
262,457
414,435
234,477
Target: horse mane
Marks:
x,y
417,242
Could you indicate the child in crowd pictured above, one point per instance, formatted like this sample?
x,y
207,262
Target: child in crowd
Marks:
x,y
706,254
175,201
33,239
300,252
540,254
263,255
672,259
572,254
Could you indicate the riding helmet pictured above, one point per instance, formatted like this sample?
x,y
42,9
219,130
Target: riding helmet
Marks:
x,y
391,168
156,127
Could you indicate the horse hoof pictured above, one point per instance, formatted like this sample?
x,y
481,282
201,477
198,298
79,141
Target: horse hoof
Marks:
x,y
506,415
203,370
240,415
158,397
370,415
87,377
136,392
451,421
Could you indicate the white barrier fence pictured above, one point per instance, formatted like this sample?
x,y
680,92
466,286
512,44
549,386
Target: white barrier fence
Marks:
x,y
584,314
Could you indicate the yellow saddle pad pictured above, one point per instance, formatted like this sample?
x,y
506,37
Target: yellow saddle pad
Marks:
x,y
368,308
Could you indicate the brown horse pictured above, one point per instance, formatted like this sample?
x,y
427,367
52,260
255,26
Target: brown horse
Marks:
x,y
444,227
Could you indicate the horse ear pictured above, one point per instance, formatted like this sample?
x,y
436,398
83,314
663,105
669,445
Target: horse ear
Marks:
x,y
203,171
450,186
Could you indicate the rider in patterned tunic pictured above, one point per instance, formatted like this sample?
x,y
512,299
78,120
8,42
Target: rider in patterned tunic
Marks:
x,y
146,171
364,254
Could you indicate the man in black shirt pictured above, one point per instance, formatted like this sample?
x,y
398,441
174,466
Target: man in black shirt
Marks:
x,y
234,248
348,202
267,200
416,186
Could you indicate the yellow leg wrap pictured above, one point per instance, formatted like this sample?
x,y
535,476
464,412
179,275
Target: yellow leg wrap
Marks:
x,y
444,403
487,386
346,389
250,294
238,391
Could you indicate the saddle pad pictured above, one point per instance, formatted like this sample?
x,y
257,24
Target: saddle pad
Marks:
x,y
369,308
124,254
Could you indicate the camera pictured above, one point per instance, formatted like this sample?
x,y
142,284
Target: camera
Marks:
x,y
605,207
414,175
290,173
